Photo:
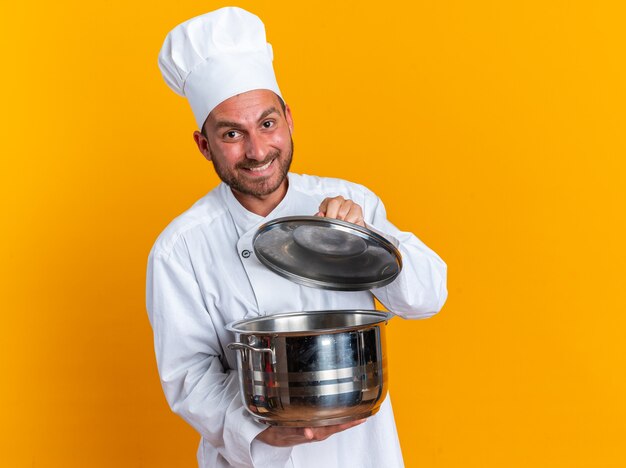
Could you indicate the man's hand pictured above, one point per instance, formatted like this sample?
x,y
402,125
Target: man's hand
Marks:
x,y
280,436
340,208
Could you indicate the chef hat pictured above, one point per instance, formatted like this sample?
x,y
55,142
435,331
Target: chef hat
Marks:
x,y
215,56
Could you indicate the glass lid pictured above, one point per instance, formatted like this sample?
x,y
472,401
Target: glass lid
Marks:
x,y
327,253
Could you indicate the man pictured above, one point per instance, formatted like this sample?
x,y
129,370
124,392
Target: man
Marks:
x,y
202,273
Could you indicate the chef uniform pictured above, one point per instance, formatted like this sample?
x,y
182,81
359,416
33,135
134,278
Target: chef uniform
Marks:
x,y
203,273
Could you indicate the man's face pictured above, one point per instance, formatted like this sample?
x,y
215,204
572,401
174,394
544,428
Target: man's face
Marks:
x,y
249,142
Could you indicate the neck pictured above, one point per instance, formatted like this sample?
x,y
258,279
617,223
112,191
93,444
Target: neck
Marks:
x,y
262,205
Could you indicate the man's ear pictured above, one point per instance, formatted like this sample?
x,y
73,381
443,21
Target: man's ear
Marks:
x,y
203,144
289,118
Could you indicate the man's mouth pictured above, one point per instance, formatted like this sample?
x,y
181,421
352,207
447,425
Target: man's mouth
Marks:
x,y
260,168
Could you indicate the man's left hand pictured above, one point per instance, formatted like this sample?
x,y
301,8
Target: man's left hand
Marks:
x,y
340,208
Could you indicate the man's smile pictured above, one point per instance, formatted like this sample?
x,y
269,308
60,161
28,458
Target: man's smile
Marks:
x,y
260,168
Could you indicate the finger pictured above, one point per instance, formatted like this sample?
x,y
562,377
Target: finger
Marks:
x,y
322,433
344,209
355,215
332,208
322,207
329,206
282,436
317,434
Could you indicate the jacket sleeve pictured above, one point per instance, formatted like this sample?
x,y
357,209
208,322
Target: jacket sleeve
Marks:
x,y
188,354
420,290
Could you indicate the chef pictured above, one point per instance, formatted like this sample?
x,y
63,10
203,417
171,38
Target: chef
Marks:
x,y
203,273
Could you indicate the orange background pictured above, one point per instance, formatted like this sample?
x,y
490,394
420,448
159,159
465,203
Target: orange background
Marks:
x,y
493,130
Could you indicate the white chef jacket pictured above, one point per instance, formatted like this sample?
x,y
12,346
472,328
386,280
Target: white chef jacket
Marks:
x,y
203,274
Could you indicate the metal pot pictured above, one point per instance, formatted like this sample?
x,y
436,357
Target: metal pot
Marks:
x,y
312,368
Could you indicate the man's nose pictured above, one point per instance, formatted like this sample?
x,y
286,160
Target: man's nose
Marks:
x,y
256,147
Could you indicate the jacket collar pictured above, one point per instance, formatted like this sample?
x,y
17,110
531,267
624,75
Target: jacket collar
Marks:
x,y
245,220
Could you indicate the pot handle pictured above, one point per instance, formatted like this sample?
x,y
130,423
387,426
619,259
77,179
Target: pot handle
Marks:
x,y
242,346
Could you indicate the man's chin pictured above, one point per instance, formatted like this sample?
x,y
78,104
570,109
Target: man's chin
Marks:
x,y
258,188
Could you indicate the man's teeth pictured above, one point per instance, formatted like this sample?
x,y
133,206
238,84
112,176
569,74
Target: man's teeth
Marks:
x,y
261,168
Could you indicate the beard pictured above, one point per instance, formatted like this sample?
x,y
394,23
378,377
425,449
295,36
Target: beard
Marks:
x,y
256,188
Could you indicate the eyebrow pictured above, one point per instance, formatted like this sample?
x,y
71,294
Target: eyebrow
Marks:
x,y
228,123
267,112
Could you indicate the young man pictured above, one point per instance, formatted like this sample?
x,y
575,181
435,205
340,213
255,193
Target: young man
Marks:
x,y
203,274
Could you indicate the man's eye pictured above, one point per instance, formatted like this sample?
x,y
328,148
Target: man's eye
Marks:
x,y
268,124
231,134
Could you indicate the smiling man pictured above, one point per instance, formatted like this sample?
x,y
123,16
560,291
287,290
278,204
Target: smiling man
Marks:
x,y
248,140
203,274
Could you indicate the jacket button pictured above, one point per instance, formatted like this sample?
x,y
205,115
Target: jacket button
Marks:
x,y
245,253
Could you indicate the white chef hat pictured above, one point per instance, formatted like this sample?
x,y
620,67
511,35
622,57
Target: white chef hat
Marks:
x,y
215,56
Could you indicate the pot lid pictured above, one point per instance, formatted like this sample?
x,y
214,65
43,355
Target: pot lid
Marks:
x,y
327,253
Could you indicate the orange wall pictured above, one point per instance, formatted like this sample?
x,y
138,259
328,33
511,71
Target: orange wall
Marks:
x,y
493,130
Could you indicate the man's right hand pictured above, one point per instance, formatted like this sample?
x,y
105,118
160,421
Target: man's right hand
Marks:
x,y
280,436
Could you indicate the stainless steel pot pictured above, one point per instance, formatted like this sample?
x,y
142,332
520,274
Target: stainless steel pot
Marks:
x,y
312,368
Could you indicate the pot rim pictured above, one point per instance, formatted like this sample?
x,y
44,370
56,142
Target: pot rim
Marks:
x,y
383,316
